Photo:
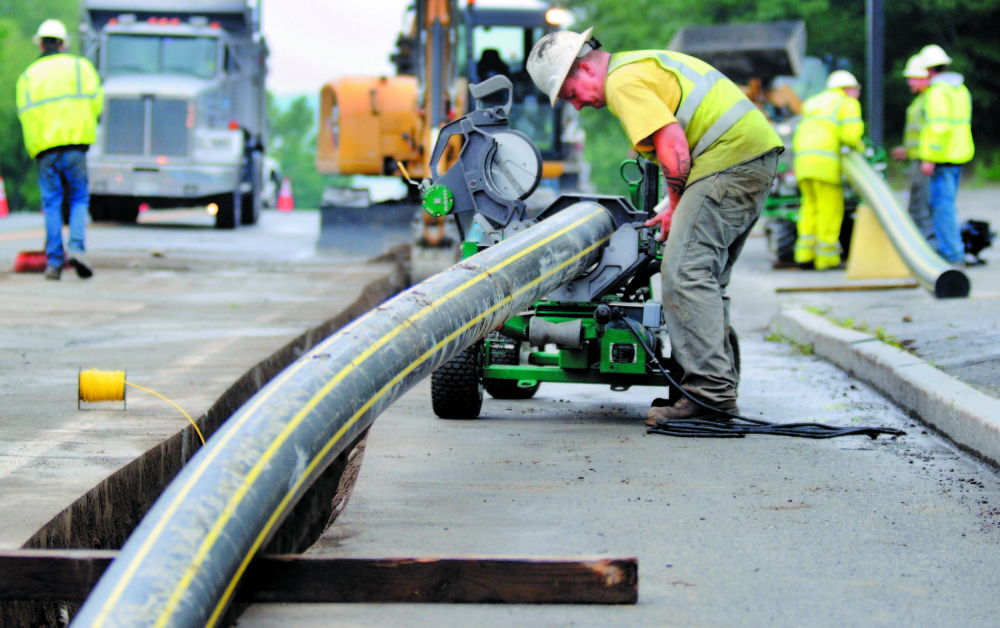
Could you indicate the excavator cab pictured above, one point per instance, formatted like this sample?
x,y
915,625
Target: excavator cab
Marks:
x,y
497,41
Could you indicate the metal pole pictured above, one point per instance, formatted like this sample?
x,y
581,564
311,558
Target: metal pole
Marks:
x,y
876,71
183,563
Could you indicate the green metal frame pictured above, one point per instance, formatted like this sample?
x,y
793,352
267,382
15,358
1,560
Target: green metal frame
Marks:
x,y
610,355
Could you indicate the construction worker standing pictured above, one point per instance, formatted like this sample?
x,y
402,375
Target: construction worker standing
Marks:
x,y
59,99
718,155
945,144
918,80
831,120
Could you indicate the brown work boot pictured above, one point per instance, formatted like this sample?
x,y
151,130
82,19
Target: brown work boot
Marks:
x,y
685,409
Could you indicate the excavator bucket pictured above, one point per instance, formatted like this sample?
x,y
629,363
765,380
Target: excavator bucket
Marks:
x,y
747,51
351,225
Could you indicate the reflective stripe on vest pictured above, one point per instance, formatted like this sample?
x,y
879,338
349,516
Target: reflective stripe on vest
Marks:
x,y
79,95
692,100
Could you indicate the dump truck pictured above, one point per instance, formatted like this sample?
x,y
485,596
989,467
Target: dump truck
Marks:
x,y
184,122
388,125
768,60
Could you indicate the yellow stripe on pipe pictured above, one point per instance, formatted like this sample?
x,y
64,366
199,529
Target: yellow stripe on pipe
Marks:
x,y
216,449
354,419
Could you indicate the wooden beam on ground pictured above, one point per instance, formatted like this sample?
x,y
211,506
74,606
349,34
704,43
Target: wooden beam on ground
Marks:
x,y
868,287
69,575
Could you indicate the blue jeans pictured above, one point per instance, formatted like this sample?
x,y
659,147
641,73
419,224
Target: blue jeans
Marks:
x,y
944,189
64,173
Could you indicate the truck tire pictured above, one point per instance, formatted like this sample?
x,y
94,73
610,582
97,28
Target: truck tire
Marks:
x,y
457,387
781,235
502,354
252,201
229,210
104,208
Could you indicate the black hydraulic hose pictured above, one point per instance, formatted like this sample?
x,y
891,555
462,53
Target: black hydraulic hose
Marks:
x,y
712,427
183,563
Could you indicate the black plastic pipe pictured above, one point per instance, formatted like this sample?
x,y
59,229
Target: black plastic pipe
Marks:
x,y
184,561
933,273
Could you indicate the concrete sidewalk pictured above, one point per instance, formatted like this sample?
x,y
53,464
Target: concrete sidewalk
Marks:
x,y
203,331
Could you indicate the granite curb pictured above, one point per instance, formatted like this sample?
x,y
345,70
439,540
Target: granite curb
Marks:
x,y
963,414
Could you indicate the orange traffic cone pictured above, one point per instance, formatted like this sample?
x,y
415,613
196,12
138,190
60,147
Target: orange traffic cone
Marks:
x,y
286,202
4,208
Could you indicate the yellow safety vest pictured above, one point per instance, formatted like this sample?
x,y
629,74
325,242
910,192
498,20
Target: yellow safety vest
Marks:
x,y
914,125
830,119
710,104
59,99
947,132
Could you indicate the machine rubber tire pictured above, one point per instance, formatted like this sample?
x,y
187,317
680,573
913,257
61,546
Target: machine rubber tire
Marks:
x,y
457,386
781,235
252,201
229,209
506,388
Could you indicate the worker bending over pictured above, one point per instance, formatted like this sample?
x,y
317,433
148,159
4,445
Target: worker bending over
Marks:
x,y
918,80
831,122
945,144
718,155
59,99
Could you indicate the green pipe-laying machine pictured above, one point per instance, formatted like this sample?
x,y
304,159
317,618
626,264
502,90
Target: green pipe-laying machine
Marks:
x,y
578,333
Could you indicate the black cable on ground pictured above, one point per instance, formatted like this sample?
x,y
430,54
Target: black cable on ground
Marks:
x,y
722,424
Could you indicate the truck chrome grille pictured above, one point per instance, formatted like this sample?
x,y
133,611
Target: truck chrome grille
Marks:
x,y
127,132
169,134
125,126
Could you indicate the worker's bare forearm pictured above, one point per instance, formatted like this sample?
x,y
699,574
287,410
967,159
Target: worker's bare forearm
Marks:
x,y
675,158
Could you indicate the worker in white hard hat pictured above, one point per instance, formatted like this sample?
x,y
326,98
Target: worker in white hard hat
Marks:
x,y
945,145
831,122
718,155
918,79
59,99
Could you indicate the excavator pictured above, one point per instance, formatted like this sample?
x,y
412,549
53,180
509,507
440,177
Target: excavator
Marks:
x,y
388,125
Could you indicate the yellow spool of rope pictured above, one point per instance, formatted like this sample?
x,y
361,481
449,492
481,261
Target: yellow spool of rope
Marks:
x,y
96,386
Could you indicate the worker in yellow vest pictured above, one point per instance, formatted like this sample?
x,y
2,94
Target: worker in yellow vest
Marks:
x,y
919,206
718,155
59,99
831,121
945,145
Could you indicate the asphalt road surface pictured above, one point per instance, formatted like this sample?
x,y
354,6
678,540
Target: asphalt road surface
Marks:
x,y
764,531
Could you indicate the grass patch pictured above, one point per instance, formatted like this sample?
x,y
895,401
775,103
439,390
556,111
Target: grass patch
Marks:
x,y
804,349
879,332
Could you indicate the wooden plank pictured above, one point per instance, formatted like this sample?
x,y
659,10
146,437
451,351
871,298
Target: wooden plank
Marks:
x,y
51,574
857,288
71,574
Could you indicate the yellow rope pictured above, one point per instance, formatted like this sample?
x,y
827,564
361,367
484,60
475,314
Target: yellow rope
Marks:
x,y
96,386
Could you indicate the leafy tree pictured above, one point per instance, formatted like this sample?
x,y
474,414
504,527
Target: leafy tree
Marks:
x,y
292,141
19,22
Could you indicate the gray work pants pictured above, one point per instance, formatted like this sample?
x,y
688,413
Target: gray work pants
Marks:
x,y
920,203
710,226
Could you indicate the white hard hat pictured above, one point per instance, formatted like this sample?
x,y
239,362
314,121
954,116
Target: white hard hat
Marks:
x,y
841,78
552,57
51,28
934,56
915,68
